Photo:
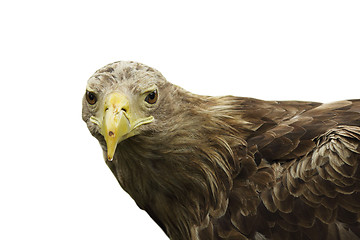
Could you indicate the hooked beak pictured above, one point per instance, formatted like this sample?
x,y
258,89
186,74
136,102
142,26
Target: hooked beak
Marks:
x,y
119,122
116,122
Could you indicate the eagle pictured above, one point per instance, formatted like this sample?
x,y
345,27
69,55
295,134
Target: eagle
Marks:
x,y
227,167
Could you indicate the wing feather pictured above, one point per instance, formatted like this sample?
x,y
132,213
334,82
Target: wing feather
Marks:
x,y
317,191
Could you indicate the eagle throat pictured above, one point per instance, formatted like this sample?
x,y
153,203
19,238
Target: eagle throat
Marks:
x,y
190,163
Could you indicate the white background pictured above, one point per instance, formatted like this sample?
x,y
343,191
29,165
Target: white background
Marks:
x,y
53,181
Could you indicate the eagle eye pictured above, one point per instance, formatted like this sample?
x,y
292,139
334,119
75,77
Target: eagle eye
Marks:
x,y
91,97
152,97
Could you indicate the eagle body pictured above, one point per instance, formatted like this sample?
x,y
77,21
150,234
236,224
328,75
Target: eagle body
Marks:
x,y
229,167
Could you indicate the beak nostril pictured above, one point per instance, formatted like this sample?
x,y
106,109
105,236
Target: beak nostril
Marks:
x,y
123,109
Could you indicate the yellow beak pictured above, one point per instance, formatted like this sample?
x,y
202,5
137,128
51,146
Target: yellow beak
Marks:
x,y
116,123
119,122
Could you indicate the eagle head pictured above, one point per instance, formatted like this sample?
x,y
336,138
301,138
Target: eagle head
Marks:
x,y
122,100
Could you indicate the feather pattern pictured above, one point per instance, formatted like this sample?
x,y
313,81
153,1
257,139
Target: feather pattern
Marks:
x,y
238,168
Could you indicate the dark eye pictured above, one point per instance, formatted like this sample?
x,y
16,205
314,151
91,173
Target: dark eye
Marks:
x,y
152,97
91,97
